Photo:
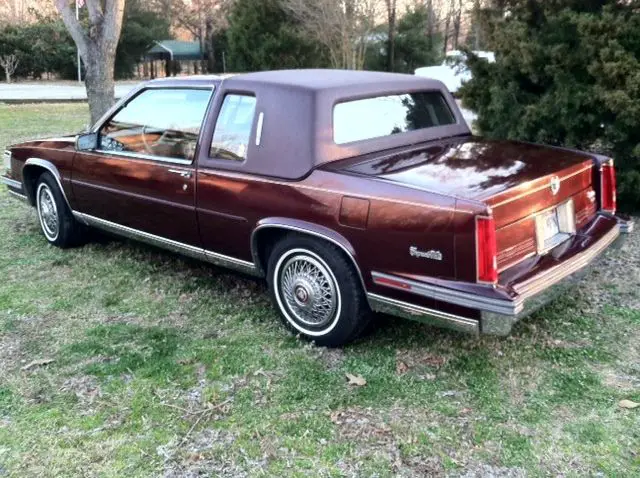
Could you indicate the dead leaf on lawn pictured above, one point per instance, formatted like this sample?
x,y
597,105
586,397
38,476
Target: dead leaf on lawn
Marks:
x,y
355,380
434,360
401,367
37,363
628,404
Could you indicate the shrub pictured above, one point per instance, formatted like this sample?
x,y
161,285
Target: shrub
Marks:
x,y
567,73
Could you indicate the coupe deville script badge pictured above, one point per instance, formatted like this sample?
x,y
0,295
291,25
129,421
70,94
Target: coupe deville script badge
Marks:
x,y
555,185
432,254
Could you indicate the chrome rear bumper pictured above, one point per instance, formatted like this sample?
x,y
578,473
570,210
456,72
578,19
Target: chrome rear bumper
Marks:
x,y
496,315
550,284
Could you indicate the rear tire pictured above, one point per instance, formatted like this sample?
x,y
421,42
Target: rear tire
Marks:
x,y
56,220
317,291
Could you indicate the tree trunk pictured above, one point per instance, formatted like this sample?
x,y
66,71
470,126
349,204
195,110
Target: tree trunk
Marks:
x,y
391,38
99,83
7,75
97,44
210,47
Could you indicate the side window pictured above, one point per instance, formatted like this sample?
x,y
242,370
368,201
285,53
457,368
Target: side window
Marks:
x,y
158,122
233,128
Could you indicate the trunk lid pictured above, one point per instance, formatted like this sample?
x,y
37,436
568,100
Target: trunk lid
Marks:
x,y
519,181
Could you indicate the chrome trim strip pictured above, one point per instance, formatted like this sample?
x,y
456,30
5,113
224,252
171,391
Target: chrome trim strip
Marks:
x,y
49,166
294,184
562,270
149,157
186,249
259,129
19,196
463,299
540,188
405,310
626,227
501,306
254,245
12,183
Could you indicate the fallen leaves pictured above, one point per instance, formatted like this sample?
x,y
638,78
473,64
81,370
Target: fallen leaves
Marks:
x,y
37,363
417,361
401,367
355,380
628,404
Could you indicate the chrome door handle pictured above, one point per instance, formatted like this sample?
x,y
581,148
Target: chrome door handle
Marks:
x,y
184,174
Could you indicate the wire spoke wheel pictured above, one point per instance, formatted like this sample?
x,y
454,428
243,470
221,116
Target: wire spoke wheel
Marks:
x,y
47,212
308,289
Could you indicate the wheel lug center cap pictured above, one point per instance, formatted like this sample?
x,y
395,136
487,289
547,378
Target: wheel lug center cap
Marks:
x,y
302,294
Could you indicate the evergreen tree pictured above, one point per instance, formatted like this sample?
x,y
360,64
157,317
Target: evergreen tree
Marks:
x,y
263,36
567,73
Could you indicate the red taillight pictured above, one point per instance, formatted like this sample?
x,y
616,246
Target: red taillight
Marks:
x,y
486,260
608,187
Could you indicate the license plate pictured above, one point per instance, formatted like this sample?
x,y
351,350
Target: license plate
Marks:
x,y
549,224
555,226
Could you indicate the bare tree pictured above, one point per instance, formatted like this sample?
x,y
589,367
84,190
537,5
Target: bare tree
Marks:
x,y
343,26
10,64
391,36
457,22
14,12
97,44
202,18
432,23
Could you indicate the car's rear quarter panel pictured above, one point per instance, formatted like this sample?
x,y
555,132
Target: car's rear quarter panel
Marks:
x,y
380,221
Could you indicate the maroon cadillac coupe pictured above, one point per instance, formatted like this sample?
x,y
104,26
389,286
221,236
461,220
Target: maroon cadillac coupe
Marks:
x,y
348,191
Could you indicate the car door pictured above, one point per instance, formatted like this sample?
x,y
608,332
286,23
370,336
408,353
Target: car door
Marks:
x,y
142,176
225,219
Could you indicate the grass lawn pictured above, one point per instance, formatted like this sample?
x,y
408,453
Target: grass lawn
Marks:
x,y
161,366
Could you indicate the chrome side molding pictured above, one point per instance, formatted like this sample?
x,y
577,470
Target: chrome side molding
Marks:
x,y
464,299
171,245
12,183
626,225
405,310
19,196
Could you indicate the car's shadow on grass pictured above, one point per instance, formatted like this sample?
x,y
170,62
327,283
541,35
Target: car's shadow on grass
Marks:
x,y
384,330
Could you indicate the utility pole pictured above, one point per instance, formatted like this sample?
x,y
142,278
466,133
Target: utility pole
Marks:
x,y
78,49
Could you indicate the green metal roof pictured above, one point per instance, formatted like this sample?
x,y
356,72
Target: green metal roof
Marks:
x,y
178,50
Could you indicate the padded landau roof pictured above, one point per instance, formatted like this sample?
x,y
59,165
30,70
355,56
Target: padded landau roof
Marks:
x,y
297,134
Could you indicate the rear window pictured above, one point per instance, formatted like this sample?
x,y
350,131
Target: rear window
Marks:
x,y
381,116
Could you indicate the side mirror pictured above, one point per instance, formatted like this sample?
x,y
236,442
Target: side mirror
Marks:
x,y
87,142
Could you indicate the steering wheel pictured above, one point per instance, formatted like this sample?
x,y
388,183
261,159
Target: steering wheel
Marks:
x,y
146,143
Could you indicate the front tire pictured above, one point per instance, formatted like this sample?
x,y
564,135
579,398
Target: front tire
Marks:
x,y
56,220
317,291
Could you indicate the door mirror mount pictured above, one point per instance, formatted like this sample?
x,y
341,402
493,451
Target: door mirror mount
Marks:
x,y
87,142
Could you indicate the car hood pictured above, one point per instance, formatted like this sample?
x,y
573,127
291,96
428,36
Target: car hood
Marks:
x,y
470,168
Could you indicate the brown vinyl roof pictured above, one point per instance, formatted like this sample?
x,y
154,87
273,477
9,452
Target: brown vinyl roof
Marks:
x,y
297,107
320,79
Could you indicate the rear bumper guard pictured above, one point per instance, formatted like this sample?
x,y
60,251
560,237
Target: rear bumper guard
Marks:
x,y
497,316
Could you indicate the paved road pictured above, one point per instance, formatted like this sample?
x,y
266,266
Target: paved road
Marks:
x,y
26,92
46,92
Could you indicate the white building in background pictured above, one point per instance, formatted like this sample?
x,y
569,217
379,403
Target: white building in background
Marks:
x,y
453,71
